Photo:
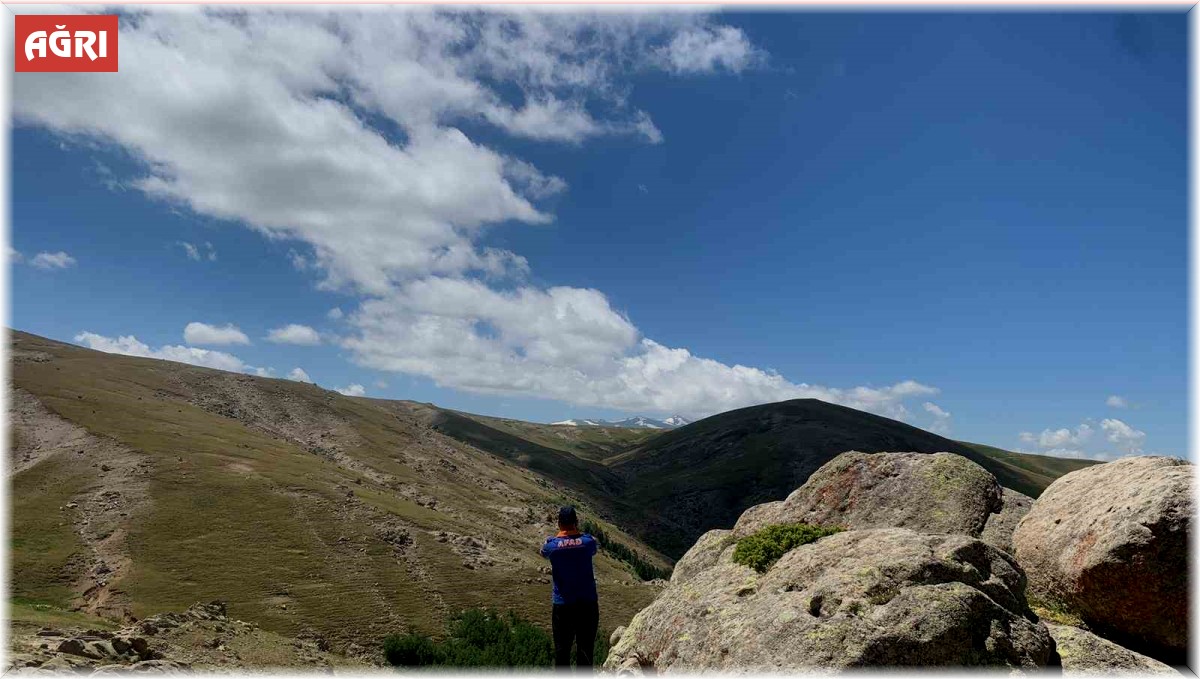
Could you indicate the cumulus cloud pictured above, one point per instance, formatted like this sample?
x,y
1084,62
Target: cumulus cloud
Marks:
x,y
335,314
567,344
1116,402
298,375
1057,438
941,418
1127,439
352,390
203,333
343,133
198,253
52,260
129,345
294,333
285,149
704,49
1071,443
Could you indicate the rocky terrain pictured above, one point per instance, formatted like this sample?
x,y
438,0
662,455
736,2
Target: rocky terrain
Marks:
x,y
140,486
201,638
933,568
1111,544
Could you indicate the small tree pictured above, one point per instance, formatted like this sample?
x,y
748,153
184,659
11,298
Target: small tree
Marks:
x,y
762,549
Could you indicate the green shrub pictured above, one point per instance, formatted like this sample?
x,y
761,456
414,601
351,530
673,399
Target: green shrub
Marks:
x,y
482,638
642,568
761,550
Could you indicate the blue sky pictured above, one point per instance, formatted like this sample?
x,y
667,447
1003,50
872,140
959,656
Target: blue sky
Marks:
x,y
975,222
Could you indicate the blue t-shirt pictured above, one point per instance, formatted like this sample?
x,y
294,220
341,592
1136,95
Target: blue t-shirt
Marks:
x,y
571,561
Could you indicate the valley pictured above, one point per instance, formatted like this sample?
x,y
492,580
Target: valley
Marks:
x,y
141,486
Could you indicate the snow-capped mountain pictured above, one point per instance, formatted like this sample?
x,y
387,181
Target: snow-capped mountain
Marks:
x,y
581,423
638,422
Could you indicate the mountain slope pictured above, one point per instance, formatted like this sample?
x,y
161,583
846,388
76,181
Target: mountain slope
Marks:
x,y
140,485
705,474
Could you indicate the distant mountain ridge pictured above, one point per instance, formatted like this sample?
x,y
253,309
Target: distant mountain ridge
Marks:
x,y
639,422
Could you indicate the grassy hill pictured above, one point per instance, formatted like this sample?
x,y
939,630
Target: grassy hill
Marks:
x,y
705,474
591,443
141,485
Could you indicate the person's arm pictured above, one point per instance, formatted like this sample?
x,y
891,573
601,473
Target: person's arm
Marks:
x,y
546,549
592,545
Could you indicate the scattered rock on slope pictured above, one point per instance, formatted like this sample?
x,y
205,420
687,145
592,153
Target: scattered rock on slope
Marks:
x,y
1000,526
1084,653
926,492
1109,543
201,638
873,597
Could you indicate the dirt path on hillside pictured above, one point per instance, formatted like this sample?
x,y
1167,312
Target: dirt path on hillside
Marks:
x,y
102,514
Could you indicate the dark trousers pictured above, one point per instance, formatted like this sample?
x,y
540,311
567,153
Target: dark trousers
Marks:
x,y
575,623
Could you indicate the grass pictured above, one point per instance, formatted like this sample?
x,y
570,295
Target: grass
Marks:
x,y
1024,472
46,554
483,638
42,614
643,568
238,515
763,548
1053,612
590,443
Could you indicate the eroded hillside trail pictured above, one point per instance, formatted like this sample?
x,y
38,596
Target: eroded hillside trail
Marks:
x,y
115,496
302,508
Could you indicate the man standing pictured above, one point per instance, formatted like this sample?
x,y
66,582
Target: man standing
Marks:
x,y
576,612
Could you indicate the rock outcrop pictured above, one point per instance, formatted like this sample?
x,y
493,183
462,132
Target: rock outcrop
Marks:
x,y
873,597
1000,526
926,492
200,638
1084,653
1110,544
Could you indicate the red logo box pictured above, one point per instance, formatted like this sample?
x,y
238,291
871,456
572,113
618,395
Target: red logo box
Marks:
x,y
66,43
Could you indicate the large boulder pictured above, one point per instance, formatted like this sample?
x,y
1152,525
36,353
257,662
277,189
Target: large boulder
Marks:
x,y
926,492
1084,653
1000,526
878,597
702,555
1110,544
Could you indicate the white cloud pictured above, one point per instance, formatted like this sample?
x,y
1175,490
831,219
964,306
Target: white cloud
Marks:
x,y
129,345
282,108
1126,438
296,163
52,260
566,344
197,253
294,333
704,49
1070,453
14,256
264,372
1057,438
1116,402
335,314
941,418
298,375
203,333
352,390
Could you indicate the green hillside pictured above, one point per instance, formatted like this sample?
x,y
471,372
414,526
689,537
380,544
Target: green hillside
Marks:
x,y
140,486
300,507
